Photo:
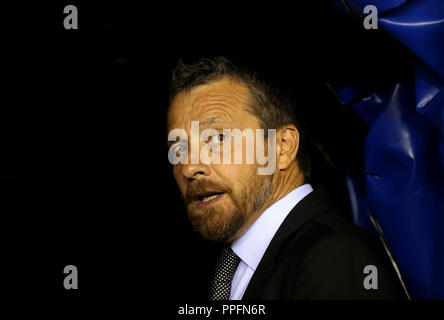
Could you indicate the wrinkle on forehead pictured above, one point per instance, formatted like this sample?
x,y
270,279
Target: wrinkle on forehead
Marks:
x,y
226,98
224,94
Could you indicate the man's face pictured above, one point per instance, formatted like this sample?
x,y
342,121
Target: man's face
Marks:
x,y
220,198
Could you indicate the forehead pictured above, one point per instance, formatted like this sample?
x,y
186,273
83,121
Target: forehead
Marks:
x,y
225,99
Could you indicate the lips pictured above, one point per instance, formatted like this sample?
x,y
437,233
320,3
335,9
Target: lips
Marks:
x,y
207,198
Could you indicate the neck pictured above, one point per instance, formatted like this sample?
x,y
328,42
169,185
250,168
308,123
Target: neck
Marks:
x,y
283,184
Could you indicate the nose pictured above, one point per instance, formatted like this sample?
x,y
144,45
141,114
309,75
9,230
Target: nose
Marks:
x,y
193,171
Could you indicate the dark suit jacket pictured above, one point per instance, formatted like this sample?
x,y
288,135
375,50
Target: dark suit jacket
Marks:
x,y
316,254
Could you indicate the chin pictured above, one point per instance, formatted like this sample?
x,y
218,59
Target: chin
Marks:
x,y
217,226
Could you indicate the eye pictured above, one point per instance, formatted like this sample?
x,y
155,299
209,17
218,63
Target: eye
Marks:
x,y
218,138
179,149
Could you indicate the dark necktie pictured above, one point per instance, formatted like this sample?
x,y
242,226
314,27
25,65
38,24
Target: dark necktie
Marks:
x,y
225,269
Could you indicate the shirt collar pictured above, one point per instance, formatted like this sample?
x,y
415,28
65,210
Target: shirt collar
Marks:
x,y
251,246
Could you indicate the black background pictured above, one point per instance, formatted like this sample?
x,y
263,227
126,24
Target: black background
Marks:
x,y
114,209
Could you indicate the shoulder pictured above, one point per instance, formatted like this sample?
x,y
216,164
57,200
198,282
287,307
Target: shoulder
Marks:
x,y
337,232
331,240
331,255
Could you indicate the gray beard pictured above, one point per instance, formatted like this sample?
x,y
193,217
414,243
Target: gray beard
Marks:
x,y
250,202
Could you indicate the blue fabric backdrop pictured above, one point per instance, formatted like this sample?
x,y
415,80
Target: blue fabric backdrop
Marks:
x,y
403,184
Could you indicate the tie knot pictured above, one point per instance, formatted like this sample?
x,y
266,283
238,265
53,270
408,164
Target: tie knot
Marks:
x,y
225,269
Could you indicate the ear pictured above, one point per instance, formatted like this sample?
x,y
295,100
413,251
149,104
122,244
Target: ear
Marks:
x,y
288,146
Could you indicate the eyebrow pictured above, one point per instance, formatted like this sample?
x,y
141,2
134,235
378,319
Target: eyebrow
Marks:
x,y
202,125
207,122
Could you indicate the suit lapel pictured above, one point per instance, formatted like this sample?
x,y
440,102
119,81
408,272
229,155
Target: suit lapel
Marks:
x,y
308,208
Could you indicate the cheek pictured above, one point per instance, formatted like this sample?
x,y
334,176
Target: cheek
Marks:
x,y
179,179
237,176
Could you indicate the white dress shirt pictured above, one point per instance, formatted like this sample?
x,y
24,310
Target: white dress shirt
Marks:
x,y
251,246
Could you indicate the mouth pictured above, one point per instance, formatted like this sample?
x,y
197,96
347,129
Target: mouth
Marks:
x,y
209,198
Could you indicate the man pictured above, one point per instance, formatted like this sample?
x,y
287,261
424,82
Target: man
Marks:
x,y
282,241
